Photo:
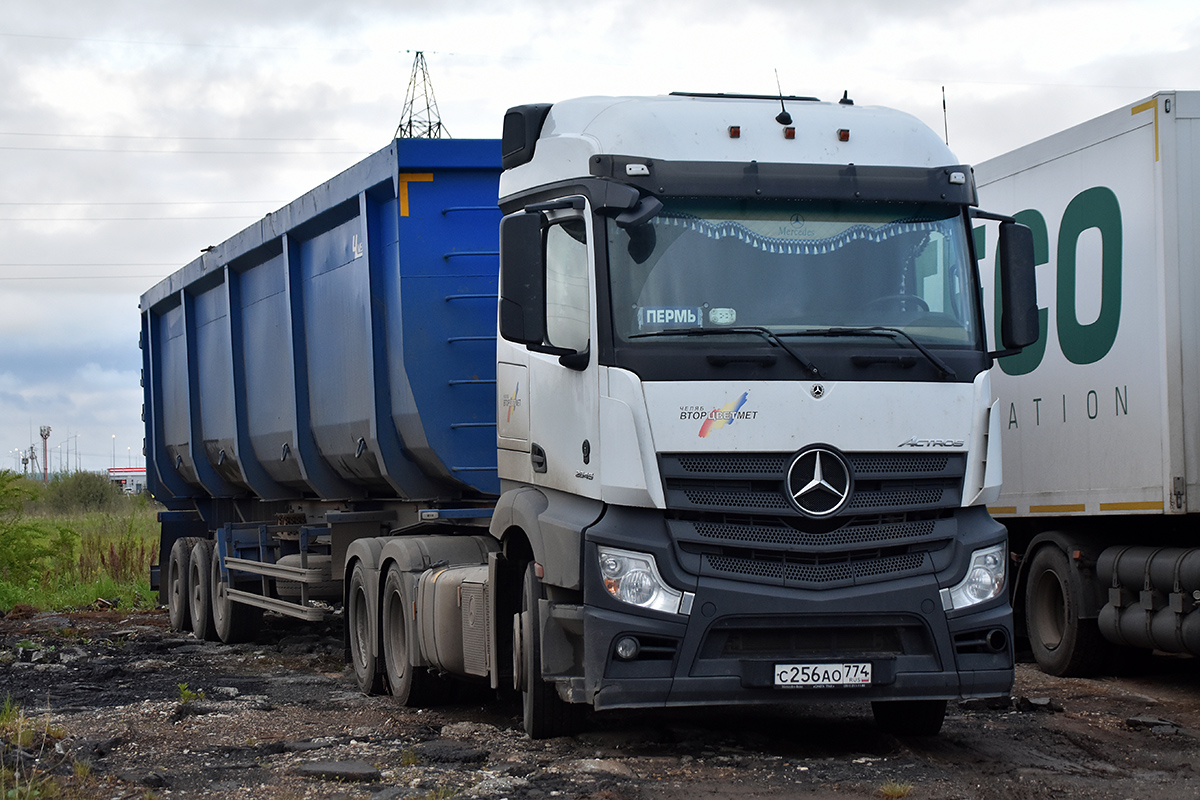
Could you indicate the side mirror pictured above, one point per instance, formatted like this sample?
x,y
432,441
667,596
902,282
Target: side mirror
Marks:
x,y
1019,324
522,290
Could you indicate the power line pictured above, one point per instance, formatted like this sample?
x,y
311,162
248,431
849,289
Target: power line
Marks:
x,y
189,152
182,44
120,219
97,264
141,203
81,277
174,138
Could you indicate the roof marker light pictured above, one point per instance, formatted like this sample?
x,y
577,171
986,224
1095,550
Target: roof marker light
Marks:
x,y
735,131
843,134
789,132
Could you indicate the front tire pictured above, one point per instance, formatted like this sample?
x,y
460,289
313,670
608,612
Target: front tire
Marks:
x,y
545,713
360,620
1062,643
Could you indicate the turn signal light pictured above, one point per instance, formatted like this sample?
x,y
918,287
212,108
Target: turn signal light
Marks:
x,y
843,134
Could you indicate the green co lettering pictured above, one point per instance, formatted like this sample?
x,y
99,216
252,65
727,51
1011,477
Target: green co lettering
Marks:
x,y
1081,344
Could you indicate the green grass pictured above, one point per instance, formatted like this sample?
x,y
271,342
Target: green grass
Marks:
x,y
64,548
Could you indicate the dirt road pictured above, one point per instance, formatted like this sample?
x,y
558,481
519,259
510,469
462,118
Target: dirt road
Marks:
x,y
118,706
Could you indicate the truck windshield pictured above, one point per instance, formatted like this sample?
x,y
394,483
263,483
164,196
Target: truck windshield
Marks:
x,y
792,267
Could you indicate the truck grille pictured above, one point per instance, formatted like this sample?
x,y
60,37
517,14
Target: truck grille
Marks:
x,y
731,518
754,482
783,571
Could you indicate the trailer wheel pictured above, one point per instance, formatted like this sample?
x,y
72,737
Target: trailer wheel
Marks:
x,y
200,592
359,621
1062,643
234,622
412,686
546,714
910,717
178,611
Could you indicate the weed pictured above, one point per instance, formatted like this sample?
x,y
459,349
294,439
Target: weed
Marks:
x,y
16,730
9,712
64,552
82,770
186,695
894,791
408,758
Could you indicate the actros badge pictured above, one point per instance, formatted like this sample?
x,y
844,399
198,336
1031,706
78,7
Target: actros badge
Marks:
x,y
819,481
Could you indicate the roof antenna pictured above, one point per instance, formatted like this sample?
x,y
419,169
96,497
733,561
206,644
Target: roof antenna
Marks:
x,y
783,117
945,118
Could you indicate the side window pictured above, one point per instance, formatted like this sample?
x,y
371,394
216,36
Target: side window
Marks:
x,y
567,319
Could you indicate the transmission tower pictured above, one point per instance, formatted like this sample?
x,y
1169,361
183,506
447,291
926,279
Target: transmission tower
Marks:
x,y
420,118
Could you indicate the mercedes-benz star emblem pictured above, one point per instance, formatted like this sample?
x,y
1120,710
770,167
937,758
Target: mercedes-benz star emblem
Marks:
x,y
819,481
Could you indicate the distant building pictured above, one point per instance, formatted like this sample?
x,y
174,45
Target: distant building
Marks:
x,y
132,480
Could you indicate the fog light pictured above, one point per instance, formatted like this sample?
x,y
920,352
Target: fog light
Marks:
x,y
627,648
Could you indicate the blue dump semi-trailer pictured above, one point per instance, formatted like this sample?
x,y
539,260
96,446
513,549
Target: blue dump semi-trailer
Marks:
x,y
656,401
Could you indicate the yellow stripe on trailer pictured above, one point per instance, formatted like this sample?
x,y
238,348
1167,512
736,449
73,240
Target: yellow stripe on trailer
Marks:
x,y
1146,505
1065,508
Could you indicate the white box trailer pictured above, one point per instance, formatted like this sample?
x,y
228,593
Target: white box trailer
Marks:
x,y
1101,419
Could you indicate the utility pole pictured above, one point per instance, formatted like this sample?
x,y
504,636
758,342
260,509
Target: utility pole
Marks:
x,y
45,431
420,118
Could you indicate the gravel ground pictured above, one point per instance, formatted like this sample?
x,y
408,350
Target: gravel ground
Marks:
x,y
117,706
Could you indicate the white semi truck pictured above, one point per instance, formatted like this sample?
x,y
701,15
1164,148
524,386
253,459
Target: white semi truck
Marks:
x,y
1100,419
733,442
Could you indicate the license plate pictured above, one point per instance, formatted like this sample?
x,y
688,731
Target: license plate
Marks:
x,y
823,675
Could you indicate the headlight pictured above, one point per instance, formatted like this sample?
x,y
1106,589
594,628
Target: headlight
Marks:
x,y
633,578
985,579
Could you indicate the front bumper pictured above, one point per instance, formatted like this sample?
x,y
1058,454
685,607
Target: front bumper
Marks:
x,y
738,631
727,651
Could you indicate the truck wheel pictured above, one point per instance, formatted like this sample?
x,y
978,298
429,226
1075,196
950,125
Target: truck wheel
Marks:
x,y
412,686
199,591
234,622
359,620
910,717
546,715
1062,643
178,611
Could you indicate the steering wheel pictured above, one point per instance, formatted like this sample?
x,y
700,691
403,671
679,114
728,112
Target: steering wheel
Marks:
x,y
901,301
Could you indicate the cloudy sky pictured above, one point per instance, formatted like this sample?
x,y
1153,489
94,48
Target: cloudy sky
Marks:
x,y
133,133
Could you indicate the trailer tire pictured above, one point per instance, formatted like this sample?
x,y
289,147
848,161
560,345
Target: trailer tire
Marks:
x,y
359,621
200,592
910,717
235,623
546,715
1063,644
412,686
178,612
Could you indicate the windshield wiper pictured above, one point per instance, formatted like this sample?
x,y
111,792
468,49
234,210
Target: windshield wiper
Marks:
x,y
881,330
766,333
